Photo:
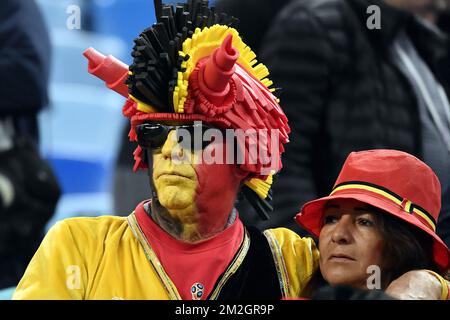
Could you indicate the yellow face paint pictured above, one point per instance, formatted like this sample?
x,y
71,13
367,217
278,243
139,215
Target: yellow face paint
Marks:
x,y
175,181
180,181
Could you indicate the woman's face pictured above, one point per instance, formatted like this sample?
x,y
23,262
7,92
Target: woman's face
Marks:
x,y
349,242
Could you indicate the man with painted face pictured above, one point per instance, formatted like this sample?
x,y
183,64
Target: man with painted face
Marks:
x,y
191,74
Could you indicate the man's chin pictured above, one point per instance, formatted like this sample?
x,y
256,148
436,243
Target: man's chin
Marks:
x,y
175,205
175,198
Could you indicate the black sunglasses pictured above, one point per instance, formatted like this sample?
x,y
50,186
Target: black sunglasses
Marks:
x,y
154,135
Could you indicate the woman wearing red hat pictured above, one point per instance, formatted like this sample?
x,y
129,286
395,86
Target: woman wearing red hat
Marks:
x,y
380,216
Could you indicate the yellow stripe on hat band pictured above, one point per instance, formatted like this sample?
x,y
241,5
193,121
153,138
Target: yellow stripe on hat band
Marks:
x,y
389,196
408,206
424,216
369,188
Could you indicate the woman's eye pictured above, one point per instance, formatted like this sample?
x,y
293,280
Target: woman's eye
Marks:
x,y
365,222
329,219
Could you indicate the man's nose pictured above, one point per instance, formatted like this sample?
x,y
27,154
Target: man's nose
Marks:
x,y
342,232
171,148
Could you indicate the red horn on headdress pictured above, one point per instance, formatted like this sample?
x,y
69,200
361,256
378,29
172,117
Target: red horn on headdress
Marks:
x,y
111,70
218,71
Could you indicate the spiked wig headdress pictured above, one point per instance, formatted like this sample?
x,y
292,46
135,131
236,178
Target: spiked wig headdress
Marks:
x,y
192,65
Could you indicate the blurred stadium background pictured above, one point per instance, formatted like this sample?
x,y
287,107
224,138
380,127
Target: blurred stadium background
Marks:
x,y
81,128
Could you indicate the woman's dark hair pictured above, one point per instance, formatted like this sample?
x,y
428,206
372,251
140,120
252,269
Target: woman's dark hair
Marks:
x,y
405,248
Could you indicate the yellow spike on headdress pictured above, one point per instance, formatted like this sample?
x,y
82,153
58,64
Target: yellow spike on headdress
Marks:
x,y
260,187
142,106
202,44
267,82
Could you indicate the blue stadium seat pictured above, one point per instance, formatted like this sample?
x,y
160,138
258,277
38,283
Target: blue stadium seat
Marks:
x,y
122,18
80,136
68,63
55,11
6,294
80,130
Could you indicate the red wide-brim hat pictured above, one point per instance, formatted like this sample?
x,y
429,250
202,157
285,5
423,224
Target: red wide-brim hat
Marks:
x,y
393,181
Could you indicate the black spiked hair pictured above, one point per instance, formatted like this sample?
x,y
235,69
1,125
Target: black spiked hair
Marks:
x,y
156,61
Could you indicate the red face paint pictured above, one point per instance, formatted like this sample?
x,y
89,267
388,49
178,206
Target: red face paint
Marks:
x,y
218,184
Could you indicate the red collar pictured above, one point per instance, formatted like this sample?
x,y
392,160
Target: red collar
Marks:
x,y
180,259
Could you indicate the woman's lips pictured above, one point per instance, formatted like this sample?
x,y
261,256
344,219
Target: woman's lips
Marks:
x,y
341,257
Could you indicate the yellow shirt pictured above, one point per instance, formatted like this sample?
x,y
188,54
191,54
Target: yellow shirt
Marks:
x,y
108,258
